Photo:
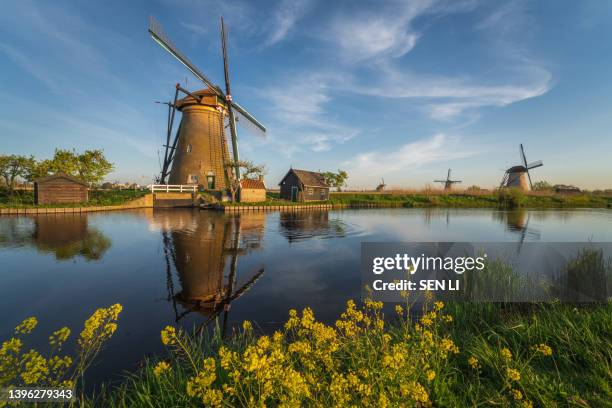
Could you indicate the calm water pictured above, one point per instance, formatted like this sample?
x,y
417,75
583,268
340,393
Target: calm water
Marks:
x,y
184,265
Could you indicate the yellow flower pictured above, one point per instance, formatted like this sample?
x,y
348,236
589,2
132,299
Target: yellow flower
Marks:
x,y
517,395
100,325
473,362
247,326
59,336
513,374
168,336
438,305
399,309
447,318
431,375
506,354
10,346
36,367
527,404
26,326
543,349
161,368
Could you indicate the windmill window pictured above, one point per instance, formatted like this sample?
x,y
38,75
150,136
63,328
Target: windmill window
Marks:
x,y
210,179
189,148
193,178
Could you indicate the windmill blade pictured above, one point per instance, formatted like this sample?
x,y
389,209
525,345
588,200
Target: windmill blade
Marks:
x,y
160,37
529,177
448,175
247,121
535,164
230,110
523,156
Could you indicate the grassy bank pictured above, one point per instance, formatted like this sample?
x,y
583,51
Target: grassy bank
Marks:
x,y
25,199
455,355
503,199
510,199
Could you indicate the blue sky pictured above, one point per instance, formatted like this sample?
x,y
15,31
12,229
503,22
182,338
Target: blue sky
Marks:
x,y
401,89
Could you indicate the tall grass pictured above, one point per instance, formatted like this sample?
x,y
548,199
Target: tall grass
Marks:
x,y
454,355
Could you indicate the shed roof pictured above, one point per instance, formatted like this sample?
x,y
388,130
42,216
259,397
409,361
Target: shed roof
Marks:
x,y
251,183
62,176
308,178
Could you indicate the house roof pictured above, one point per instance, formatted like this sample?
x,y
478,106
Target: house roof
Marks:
x,y
251,183
308,178
58,176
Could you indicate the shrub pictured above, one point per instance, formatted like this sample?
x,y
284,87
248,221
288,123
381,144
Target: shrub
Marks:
x,y
511,197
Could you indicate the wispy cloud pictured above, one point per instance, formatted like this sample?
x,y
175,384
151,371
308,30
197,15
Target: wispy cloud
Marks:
x,y
387,32
439,147
287,13
300,116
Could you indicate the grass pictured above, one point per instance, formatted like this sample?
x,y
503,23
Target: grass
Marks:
x,y
25,199
422,199
456,355
506,199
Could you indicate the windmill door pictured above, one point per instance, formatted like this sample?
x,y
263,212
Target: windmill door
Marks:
x,y
294,193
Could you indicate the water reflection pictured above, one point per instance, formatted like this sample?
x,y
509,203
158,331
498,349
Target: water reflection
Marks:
x,y
66,236
302,225
205,259
517,221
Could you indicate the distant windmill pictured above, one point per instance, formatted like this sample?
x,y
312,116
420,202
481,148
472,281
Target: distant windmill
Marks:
x,y
448,183
517,176
199,153
381,187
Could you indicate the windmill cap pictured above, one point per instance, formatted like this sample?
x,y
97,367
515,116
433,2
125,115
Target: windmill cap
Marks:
x,y
517,169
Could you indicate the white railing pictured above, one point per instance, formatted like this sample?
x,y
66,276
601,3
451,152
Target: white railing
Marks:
x,y
173,188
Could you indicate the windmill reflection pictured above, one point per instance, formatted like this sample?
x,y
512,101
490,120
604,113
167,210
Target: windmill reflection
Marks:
x,y
66,236
517,221
302,225
205,256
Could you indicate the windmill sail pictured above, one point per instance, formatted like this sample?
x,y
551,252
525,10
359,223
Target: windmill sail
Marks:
x,y
160,37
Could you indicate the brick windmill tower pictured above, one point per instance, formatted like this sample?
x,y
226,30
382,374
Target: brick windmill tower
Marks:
x,y
199,153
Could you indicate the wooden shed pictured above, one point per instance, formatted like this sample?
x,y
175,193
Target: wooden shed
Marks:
x,y
60,189
303,185
252,191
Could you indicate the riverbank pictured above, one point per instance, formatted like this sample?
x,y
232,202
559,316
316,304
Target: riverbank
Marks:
x,y
503,199
145,201
506,199
455,355
97,198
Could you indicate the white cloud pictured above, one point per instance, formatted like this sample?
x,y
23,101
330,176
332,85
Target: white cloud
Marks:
x,y
287,13
300,119
439,147
387,33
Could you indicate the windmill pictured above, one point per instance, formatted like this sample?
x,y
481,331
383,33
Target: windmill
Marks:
x,y
448,183
517,176
381,187
199,154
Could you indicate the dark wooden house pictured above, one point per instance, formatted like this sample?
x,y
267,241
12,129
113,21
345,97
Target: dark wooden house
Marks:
x,y
303,185
60,189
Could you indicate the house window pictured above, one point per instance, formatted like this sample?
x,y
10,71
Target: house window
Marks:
x,y
189,148
309,191
192,178
322,193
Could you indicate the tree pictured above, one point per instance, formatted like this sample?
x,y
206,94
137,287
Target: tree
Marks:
x,y
93,166
90,166
247,170
542,186
337,180
15,166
